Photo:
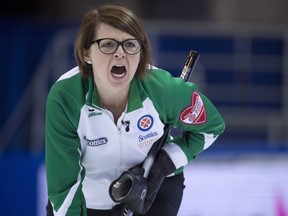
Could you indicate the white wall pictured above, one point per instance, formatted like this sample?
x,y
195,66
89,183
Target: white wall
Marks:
x,y
241,187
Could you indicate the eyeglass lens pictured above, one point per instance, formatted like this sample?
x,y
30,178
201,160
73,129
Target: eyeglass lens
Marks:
x,y
130,46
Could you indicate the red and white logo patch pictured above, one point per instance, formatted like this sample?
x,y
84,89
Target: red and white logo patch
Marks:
x,y
196,113
145,122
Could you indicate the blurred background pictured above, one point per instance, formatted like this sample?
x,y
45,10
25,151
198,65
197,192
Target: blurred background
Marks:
x,y
243,69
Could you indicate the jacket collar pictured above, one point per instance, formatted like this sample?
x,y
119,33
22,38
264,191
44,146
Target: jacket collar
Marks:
x,y
135,98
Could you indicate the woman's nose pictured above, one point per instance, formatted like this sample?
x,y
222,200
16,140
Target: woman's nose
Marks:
x,y
119,52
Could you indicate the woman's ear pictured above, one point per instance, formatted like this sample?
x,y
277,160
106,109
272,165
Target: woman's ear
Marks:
x,y
87,57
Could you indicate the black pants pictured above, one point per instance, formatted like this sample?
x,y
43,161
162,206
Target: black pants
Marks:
x,y
167,202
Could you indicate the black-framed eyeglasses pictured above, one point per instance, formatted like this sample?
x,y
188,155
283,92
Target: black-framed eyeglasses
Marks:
x,y
110,45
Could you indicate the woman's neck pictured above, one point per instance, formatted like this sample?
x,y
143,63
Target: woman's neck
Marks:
x,y
115,103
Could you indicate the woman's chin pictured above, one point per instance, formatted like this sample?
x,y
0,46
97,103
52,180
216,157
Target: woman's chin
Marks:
x,y
119,80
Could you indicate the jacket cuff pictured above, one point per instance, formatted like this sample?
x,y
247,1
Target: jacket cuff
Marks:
x,y
176,154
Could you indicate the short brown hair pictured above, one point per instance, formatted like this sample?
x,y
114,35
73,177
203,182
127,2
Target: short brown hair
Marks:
x,y
118,17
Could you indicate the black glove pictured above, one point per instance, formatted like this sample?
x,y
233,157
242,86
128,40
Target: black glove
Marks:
x,y
162,167
130,189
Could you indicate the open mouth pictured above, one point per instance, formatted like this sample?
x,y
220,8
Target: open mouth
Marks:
x,y
118,71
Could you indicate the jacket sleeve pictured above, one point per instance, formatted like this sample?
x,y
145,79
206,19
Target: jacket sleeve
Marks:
x,y
182,105
200,128
62,151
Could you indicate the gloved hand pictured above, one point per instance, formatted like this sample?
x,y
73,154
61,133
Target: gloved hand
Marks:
x,y
130,189
162,167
